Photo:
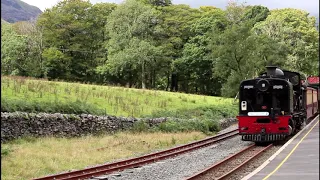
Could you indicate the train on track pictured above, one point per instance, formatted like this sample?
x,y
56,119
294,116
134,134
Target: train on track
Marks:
x,y
276,104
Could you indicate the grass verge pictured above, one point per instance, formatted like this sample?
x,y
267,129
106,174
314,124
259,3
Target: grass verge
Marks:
x,y
29,158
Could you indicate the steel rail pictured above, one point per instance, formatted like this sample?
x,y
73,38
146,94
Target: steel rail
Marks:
x,y
138,161
202,174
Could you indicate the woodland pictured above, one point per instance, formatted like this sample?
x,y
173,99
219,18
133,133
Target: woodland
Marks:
x,y
154,44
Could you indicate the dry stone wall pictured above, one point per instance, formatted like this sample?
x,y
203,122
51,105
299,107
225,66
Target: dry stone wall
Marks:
x,y
20,124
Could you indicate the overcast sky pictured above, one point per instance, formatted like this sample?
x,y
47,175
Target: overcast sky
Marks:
x,y
312,6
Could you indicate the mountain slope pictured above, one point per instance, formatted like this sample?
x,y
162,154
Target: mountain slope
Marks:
x,y
3,21
16,10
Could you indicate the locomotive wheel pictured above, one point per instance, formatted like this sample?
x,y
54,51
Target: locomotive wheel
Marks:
x,y
304,123
292,128
301,124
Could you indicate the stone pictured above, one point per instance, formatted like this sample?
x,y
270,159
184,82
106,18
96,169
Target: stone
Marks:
x,y
15,125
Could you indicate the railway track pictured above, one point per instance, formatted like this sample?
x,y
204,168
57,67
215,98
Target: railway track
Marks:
x,y
139,161
228,166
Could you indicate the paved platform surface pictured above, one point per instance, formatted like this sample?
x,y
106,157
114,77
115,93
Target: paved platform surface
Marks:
x,y
298,161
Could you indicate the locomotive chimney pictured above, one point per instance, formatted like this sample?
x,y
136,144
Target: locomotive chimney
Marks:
x,y
271,70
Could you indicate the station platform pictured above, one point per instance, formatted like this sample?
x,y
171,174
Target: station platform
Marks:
x,y
298,160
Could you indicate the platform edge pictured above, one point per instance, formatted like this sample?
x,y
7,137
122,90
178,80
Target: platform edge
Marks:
x,y
278,152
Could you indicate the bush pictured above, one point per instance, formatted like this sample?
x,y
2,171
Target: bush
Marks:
x,y
204,119
5,151
205,112
205,126
140,126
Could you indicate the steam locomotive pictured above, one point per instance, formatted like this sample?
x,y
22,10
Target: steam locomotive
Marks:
x,y
275,105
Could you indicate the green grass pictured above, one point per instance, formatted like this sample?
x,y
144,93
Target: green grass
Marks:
x,y
30,158
205,126
34,95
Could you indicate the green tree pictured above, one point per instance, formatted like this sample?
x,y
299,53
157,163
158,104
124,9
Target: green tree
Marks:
x,y
256,14
76,29
240,55
57,64
131,47
99,14
174,30
235,12
157,2
34,47
295,29
196,63
13,51
241,52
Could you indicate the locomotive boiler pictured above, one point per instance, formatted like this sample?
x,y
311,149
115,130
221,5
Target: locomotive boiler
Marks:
x,y
273,105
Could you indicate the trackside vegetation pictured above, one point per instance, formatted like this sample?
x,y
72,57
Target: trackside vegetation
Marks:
x,y
30,158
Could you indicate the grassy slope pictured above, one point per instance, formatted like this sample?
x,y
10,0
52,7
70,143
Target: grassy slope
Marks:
x,y
119,101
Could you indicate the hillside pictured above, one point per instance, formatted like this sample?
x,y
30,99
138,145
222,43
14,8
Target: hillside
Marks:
x,y
16,10
34,95
3,21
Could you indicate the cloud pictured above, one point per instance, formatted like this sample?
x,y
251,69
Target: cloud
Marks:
x,y
111,1
42,4
312,6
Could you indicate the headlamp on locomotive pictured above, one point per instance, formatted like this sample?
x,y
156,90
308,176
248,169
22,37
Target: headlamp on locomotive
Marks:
x,y
270,105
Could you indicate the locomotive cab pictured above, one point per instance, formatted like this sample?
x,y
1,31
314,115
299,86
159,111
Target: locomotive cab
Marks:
x,y
267,105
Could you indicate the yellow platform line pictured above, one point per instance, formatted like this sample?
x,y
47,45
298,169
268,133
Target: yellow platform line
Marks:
x,y
285,159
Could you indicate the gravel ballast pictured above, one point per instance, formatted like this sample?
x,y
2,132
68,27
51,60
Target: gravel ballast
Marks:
x,y
184,165
254,164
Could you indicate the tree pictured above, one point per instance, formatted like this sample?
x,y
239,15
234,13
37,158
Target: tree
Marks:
x,y
131,44
173,32
295,29
196,63
13,51
57,64
157,2
240,55
235,12
256,14
34,47
99,14
76,29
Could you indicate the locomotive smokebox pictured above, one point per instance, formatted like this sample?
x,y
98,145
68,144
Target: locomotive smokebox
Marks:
x,y
271,70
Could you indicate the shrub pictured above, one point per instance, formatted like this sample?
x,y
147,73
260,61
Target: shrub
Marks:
x,y
5,151
184,125
140,126
205,112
